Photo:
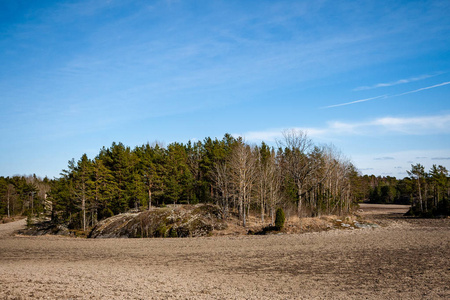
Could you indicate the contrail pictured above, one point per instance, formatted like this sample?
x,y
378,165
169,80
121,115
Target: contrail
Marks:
x,y
422,89
356,101
389,96
400,81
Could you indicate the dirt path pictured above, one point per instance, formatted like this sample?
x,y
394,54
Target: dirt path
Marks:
x,y
8,229
386,209
404,260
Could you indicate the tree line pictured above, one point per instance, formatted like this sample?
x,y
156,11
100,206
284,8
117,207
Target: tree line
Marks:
x,y
241,178
22,195
428,193
303,178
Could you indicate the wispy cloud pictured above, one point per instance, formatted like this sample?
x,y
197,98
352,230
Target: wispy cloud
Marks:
x,y
387,84
440,158
272,135
384,158
403,160
423,89
356,101
389,96
415,125
422,125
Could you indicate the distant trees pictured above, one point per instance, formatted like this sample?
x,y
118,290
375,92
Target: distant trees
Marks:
x,y
431,191
428,193
301,177
439,183
21,195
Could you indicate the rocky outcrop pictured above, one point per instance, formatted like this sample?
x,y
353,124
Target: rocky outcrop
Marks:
x,y
45,227
174,221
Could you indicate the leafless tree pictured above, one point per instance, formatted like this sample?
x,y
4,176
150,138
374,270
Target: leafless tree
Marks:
x,y
10,196
222,179
242,169
296,146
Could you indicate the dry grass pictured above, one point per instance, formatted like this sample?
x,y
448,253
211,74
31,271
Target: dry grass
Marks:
x,y
408,259
5,219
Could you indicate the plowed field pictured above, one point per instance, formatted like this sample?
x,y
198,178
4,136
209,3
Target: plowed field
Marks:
x,y
403,259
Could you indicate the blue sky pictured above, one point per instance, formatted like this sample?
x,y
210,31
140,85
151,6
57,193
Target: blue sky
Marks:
x,y
370,77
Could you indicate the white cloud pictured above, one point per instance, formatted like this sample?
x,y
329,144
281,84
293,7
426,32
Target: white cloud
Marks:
x,y
415,125
425,125
401,81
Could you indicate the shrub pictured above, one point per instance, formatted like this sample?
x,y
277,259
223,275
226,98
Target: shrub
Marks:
x,y
279,218
173,233
162,229
29,220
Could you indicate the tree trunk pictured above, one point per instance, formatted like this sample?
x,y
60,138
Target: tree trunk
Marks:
x,y
9,215
420,195
272,215
299,207
32,203
149,198
83,209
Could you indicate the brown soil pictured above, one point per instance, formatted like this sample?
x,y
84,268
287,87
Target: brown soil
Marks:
x,y
403,259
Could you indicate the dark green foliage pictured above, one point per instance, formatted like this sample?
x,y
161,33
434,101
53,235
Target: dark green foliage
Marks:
x,y
173,233
75,221
105,213
443,208
29,219
20,195
279,218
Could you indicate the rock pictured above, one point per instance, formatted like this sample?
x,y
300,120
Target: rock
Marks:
x,y
178,221
45,227
362,225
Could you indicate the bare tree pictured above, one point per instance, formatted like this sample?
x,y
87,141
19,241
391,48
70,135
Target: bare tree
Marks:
x,y
221,177
296,146
10,196
242,169
274,180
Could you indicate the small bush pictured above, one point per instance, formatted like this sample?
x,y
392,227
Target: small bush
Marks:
x,y
162,229
173,233
29,220
279,218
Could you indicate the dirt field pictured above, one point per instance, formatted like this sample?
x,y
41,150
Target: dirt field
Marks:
x,y
404,259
